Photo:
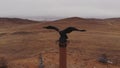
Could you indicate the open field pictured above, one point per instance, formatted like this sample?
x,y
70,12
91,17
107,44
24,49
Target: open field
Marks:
x,y
21,43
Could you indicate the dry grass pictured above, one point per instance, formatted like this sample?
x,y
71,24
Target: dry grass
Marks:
x,y
3,63
22,44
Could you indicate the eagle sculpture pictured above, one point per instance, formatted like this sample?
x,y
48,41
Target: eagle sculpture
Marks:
x,y
63,34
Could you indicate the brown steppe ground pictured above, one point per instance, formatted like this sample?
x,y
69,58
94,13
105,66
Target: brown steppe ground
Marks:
x,y
21,42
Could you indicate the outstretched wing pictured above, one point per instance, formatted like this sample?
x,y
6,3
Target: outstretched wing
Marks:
x,y
51,27
82,30
70,29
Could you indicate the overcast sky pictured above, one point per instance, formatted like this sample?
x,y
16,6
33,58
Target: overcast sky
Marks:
x,y
67,8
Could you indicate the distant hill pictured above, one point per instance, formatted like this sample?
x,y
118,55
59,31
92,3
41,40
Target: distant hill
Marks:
x,y
16,21
72,19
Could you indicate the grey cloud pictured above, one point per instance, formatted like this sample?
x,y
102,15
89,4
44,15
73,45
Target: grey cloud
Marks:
x,y
82,8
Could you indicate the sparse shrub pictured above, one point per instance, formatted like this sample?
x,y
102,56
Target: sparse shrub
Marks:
x,y
3,63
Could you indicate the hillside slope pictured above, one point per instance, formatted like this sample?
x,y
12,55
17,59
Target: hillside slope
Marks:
x,y
21,44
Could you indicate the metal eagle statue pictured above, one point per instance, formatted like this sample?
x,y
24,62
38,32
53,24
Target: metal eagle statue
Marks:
x,y
63,34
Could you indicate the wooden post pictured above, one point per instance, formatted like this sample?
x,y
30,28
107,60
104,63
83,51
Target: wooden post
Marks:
x,y
41,61
62,55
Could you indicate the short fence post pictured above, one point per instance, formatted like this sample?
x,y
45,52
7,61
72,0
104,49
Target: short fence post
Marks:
x,y
41,61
